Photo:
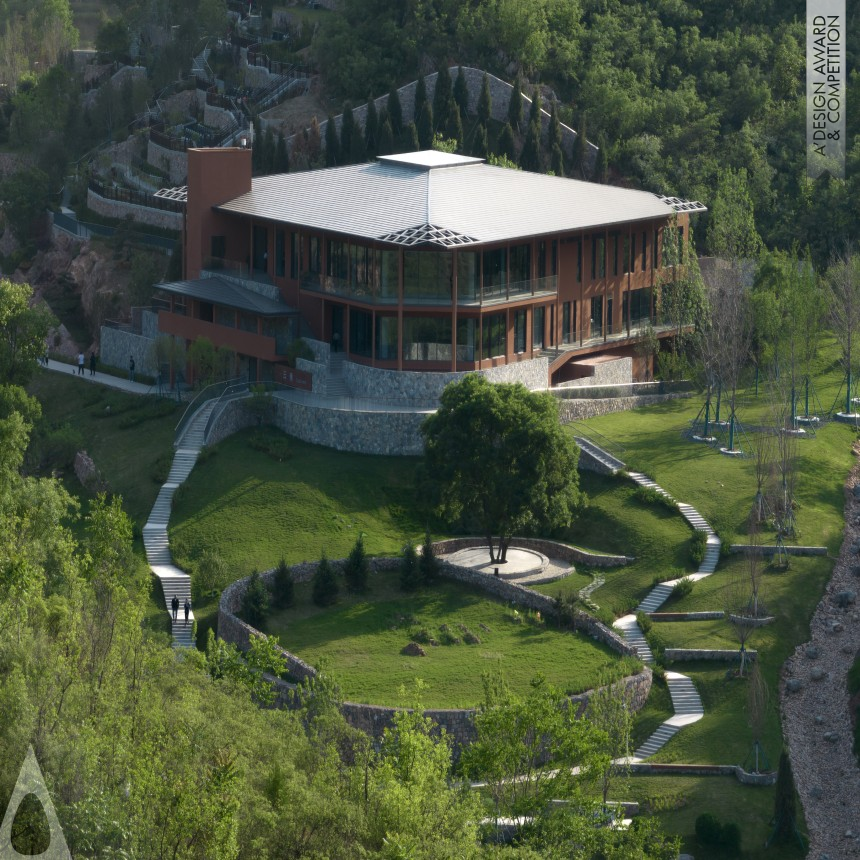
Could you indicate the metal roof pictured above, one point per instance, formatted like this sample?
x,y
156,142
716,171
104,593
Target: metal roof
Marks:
x,y
223,292
445,201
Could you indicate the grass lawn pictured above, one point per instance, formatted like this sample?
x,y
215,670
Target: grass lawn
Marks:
x,y
363,635
616,521
676,801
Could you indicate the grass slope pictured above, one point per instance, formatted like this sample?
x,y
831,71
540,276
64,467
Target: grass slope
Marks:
x,y
363,635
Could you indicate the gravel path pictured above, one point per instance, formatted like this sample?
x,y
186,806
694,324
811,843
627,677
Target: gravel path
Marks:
x,y
814,700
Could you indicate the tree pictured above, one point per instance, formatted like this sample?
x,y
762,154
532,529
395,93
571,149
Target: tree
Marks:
x,y
842,282
371,128
455,125
282,154
610,709
420,98
499,461
332,143
425,127
485,103
428,564
395,112
386,138
579,159
505,145
410,575
535,110
347,131
112,40
24,198
283,586
557,161
515,106
461,92
255,601
442,96
531,157
479,147
23,332
356,570
324,587
554,126
784,804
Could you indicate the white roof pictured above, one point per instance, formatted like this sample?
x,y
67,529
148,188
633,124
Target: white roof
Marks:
x,y
441,199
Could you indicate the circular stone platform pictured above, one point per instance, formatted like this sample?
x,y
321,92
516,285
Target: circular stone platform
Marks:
x,y
520,562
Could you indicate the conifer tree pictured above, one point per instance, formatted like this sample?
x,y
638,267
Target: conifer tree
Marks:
x,y
530,157
282,155
479,147
441,99
255,601
347,129
557,164
410,139
425,127
461,92
358,152
356,570
313,146
485,102
324,587
535,109
505,144
515,106
371,128
267,165
410,575
454,131
385,145
601,166
420,99
579,155
395,112
283,590
332,144
554,126
257,149
428,564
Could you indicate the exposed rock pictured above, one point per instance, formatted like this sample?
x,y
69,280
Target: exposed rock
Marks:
x,y
832,737
794,685
413,649
818,674
812,652
819,720
844,598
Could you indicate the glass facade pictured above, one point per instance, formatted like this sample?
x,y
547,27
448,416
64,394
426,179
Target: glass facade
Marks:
x,y
538,317
494,336
467,339
597,316
386,338
427,277
360,332
426,338
519,331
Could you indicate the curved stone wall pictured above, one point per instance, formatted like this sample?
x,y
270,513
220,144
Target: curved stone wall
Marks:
x,y
458,723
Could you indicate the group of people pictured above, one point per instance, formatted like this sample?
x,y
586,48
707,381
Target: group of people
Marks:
x,y
93,360
174,605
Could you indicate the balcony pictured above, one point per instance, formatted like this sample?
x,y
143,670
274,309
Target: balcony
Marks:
x,y
536,288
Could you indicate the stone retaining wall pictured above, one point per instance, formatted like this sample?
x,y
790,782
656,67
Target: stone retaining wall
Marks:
x,y
550,548
174,162
649,769
231,418
772,550
685,616
140,214
319,374
684,654
116,345
580,409
458,723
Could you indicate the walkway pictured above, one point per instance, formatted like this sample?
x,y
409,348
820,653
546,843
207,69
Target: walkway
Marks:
x,y
686,701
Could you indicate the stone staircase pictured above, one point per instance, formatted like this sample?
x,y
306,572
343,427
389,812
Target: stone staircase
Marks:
x,y
610,463
336,385
175,582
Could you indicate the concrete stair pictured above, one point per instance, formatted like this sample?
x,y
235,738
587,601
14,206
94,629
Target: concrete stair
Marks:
x,y
663,734
335,384
612,463
656,597
633,635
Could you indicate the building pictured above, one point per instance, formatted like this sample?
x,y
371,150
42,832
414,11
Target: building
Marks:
x,y
423,261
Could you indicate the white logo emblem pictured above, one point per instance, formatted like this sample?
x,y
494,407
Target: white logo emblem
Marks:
x,y
31,781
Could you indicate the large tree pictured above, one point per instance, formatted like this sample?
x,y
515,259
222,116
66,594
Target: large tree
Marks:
x,y
23,330
500,462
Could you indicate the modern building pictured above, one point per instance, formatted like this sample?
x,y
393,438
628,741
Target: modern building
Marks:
x,y
423,261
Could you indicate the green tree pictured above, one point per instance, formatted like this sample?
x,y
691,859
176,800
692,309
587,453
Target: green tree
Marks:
x,y
455,125
410,141
428,564
255,601
282,155
531,157
386,138
283,586
515,106
500,462
425,127
420,98
732,233
554,126
112,40
557,163
324,587
485,104
371,128
23,331
579,156
461,92
410,576
332,143
211,574
356,569
479,147
24,198
395,111
505,145
442,96
347,132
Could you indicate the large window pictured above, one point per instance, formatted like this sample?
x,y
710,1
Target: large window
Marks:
x,y
337,260
314,258
598,257
280,253
386,338
225,316
494,339
427,338
389,276
613,252
468,277
360,332
597,316
295,255
538,316
639,305
568,322
467,339
427,277
644,250
519,331
521,263
495,273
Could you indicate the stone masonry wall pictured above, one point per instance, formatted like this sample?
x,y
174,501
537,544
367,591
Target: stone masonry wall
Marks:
x,y
173,162
218,117
374,719
500,96
426,387
550,548
318,372
141,214
116,345
617,371
578,410
707,654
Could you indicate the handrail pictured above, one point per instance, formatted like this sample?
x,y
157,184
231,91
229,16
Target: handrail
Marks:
x,y
605,442
202,396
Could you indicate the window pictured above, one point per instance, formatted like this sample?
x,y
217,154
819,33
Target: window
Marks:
x,y
466,339
640,305
609,329
566,323
337,260
519,331
427,338
314,264
494,336
644,250
541,260
632,252
521,263
468,277
427,277
295,255
553,269
225,316
579,261
386,338
248,322
495,273
389,276
597,316
552,325
280,254
360,332
625,254
598,257
613,252
539,314
654,250
218,247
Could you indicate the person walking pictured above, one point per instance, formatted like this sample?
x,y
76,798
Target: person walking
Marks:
x,y
174,605
92,364
187,607
81,361
131,368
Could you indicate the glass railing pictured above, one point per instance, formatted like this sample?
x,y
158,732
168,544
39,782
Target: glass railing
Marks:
x,y
333,286
499,293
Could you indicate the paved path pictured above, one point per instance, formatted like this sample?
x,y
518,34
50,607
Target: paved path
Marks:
x,y
118,382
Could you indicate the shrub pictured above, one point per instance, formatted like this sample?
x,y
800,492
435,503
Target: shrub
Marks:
x,y
682,588
428,563
649,496
409,572
708,829
56,449
298,349
210,573
357,568
255,601
698,545
324,587
283,586
161,467
273,443
644,621
730,839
